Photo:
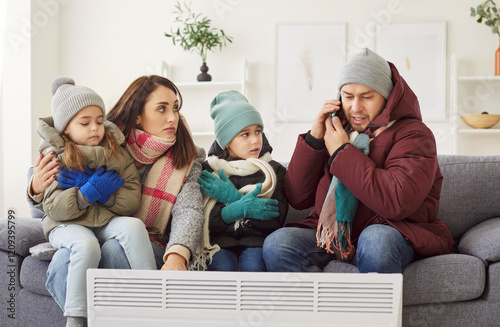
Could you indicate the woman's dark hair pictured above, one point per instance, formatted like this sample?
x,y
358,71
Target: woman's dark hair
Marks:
x,y
131,104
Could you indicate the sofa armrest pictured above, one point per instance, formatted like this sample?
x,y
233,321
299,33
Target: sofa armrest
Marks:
x,y
24,233
482,241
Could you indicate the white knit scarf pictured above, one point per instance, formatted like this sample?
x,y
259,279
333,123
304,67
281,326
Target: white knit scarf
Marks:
x,y
247,167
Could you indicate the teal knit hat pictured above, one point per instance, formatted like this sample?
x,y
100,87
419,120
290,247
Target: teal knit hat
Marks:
x,y
232,113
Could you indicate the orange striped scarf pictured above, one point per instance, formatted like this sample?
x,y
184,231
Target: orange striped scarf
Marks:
x,y
163,182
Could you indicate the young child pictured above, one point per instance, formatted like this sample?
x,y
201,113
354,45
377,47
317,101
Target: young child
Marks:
x,y
83,217
245,199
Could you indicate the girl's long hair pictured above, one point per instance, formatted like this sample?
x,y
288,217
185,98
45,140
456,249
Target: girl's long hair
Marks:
x,y
131,104
73,156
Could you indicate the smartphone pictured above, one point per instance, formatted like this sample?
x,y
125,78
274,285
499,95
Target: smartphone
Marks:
x,y
340,99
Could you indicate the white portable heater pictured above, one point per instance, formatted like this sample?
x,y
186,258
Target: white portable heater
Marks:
x,y
126,298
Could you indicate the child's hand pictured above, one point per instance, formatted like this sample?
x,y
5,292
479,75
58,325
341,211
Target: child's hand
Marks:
x,y
71,178
263,209
111,182
249,206
101,185
222,189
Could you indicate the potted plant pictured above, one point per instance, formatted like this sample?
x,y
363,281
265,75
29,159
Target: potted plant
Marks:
x,y
196,35
489,13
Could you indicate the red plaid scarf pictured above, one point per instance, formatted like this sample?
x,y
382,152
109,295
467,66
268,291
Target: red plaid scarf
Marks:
x,y
163,181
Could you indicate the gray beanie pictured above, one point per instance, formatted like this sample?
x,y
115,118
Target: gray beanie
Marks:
x,y
369,69
68,99
232,113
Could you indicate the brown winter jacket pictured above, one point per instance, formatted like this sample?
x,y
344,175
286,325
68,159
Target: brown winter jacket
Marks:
x,y
398,183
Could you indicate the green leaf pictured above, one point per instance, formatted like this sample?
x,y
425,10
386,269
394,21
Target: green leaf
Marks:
x,y
195,33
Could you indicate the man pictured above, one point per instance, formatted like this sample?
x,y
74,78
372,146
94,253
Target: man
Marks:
x,y
392,192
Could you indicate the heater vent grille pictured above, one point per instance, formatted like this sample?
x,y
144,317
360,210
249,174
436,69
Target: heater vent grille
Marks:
x,y
127,292
127,298
354,297
201,294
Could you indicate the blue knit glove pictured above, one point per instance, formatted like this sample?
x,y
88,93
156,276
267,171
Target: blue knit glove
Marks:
x,y
72,178
221,189
101,185
249,206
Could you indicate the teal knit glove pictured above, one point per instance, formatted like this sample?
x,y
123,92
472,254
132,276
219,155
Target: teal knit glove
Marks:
x,y
221,189
249,206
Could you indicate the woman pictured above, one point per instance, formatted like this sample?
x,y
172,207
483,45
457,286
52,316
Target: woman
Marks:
x,y
169,165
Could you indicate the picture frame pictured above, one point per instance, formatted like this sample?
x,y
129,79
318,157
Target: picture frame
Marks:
x,y
418,50
309,59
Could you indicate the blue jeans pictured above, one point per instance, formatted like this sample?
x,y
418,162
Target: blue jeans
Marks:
x,y
380,248
85,252
112,257
249,259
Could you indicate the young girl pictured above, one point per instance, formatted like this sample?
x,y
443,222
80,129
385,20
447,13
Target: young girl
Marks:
x,y
245,199
81,218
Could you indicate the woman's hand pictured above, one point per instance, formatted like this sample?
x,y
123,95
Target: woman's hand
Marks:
x,y
174,262
44,172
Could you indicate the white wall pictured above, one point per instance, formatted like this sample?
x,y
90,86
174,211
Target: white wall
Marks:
x,y
16,111
31,60
106,44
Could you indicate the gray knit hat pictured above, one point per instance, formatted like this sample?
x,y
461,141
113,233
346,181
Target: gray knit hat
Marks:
x,y
68,99
369,69
232,113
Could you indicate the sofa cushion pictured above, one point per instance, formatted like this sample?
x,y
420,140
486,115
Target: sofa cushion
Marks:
x,y
34,275
492,291
469,194
27,233
482,241
39,311
295,215
43,251
443,278
340,267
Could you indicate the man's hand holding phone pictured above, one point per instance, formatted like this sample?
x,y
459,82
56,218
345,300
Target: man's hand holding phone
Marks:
x,y
319,128
327,126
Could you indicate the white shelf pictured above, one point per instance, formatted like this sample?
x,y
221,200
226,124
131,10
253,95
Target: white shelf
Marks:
x,y
210,85
197,97
476,79
479,131
488,83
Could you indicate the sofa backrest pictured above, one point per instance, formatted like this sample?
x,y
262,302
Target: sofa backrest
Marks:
x,y
470,192
469,196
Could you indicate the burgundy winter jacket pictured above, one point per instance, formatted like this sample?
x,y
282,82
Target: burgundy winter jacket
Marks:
x,y
398,183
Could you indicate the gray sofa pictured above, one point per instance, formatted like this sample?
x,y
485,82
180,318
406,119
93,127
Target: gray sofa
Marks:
x,y
459,289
